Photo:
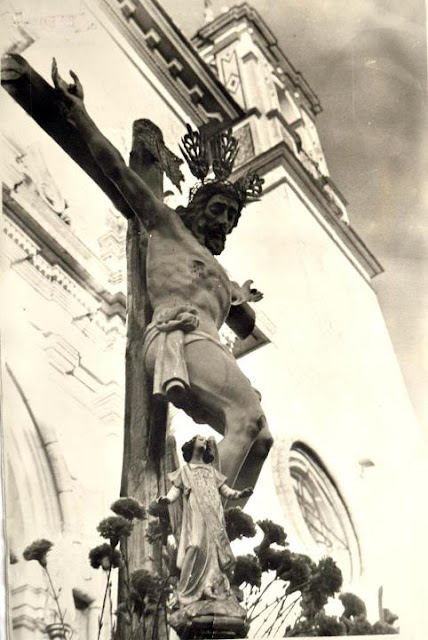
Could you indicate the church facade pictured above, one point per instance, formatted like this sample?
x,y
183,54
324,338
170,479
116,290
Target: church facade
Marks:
x,y
347,455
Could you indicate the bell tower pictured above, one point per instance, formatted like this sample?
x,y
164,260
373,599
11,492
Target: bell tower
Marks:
x,y
281,106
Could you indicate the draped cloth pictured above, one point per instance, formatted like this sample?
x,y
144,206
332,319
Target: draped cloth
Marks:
x,y
172,328
204,556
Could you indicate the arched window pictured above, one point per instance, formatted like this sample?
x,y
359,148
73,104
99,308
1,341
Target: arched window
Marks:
x,y
317,510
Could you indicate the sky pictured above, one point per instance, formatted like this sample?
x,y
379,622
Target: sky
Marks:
x,y
367,63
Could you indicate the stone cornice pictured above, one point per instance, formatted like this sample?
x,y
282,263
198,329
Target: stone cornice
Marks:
x,y
266,40
327,213
67,253
176,64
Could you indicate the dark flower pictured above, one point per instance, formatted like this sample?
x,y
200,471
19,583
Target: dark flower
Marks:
x,y
389,616
154,532
302,628
158,510
384,628
353,605
324,581
329,625
273,533
330,576
106,557
247,570
274,559
299,573
145,584
129,508
38,550
320,625
162,528
239,524
145,590
359,627
113,528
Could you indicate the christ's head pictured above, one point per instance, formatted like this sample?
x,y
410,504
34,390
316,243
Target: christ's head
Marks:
x,y
211,214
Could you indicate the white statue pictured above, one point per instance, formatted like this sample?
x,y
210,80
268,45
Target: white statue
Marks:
x,y
204,557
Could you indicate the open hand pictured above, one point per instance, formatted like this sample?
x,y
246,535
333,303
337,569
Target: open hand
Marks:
x,y
246,493
72,93
251,294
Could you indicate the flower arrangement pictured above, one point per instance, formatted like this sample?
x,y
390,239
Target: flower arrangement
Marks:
x,y
38,550
239,524
116,529
274,582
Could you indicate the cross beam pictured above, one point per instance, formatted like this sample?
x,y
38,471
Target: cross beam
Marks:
x,y
42,103
143,472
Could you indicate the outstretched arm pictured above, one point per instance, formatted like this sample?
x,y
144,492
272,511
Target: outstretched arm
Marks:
x,y
173,494
245,293
233,494
133,188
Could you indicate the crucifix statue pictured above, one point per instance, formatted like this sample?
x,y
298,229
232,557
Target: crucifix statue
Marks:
x,y
178,293
189,291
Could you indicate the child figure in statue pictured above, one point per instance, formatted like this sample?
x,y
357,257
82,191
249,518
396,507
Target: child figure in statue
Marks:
x,y
204,556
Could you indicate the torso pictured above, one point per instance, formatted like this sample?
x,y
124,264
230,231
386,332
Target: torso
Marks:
x,y
180,270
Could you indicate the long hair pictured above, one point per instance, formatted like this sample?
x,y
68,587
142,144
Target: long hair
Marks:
x,y
199,201
187,450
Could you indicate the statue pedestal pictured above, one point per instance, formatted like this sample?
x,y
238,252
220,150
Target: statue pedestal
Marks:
x,y
210,619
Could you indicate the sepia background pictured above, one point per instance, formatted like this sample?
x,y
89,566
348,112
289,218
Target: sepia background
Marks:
x,y
337,245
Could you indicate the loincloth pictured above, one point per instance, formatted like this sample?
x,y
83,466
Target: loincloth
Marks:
x,y
172,329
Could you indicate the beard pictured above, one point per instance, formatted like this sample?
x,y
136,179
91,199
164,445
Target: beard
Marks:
x,y
209,234
215,238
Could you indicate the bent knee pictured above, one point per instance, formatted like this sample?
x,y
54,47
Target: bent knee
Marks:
x,y
252,427
263,444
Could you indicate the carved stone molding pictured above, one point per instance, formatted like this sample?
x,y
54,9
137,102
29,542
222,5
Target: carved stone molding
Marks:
x,y
109,406
152,38
196,94
128,8
167,52
53,283
175,67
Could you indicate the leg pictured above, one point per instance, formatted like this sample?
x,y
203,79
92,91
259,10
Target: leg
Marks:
x,y
253,463
232,407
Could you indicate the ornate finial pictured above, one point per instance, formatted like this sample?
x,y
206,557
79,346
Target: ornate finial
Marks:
x,y
224,150
195,153
250,186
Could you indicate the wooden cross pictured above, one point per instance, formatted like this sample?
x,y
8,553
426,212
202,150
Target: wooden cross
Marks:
x,y
143,472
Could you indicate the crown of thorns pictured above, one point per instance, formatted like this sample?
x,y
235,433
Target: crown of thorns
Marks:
x,y
218,154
